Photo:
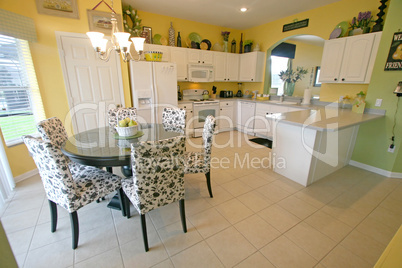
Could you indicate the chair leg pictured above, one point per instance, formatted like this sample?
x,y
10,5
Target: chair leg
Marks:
x,y
183,215
122,202
53,216
144,232
74,228
127,205
208,176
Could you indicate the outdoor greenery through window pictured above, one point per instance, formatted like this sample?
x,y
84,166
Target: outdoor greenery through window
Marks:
x,y
278,64
20,102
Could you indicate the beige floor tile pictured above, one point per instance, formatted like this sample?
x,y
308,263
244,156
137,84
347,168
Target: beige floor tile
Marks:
x,y
26,201
254,181
94,242
267,175
43,236
288,185
221,177
234,211
20,221
315,196
220,196
196,204
49,256
20,258
230,246
341,257
236,187
363,246
282,252
175,240
392,204
165,264
257,231
377,230
199,255
165,215
328,225
312,241
20,240
209,222
297,207
279,218
130,229
108,259
134,254
349,216
255,200
387,217
273,192
256,260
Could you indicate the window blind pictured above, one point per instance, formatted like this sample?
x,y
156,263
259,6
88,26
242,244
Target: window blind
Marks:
x,y
284,50
20,102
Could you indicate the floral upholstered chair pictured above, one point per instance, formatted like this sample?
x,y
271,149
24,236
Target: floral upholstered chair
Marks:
x,y
53,131
175,118
69,190
200,162
157,178
116,114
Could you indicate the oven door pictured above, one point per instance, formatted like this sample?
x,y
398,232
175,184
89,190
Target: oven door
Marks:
x,y
202,110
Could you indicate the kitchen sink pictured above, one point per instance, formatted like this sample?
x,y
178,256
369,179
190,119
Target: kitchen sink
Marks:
x,y
284,102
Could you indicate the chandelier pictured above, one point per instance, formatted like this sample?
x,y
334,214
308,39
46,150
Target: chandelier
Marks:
x,y
119,42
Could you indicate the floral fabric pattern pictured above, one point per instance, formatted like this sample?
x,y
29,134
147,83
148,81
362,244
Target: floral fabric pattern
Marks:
x,y
175,118
200,162
158,174
70,190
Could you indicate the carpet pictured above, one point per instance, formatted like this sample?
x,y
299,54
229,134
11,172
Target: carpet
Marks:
x,y
264,142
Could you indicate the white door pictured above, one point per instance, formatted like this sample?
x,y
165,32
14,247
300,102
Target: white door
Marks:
x,y
92,85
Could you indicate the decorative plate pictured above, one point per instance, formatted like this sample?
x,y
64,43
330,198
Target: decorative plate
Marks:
x,y
207,42
344,25
157,39
195,37
335,33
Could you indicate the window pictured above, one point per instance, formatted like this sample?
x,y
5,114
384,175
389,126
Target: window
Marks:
x,y
20,102
278,64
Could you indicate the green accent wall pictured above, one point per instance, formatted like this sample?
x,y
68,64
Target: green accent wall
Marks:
x,y
375,137
6,255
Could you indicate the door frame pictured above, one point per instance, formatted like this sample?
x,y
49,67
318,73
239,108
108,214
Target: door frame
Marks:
x,y
59,36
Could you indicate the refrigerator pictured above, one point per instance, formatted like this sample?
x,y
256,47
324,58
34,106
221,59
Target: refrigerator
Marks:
x,y
153,87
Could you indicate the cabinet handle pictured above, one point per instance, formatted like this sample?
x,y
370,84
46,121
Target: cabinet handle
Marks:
x,y
228,79
227,103
199,61
252,79
185,78
221,109
335,79
343,79
202,62
224,79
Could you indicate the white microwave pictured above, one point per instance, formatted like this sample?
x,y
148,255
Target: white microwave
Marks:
x,y
200,73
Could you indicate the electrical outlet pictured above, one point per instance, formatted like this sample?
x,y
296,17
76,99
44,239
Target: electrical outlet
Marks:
x,y
378,102
391,148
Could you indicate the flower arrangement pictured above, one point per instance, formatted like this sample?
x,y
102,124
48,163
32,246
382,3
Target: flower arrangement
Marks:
x,y
292,76
134,27
248,42
225,36
363,20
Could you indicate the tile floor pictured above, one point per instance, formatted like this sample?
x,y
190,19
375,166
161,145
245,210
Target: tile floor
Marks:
x,y
256,219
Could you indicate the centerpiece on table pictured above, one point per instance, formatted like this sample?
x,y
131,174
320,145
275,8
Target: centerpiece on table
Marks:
x,y
225,40
361,25
290,77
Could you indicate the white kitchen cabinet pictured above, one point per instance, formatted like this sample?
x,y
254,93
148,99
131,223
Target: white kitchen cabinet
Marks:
x,y
226,114
178,55
164,49
251,66
188,107
245,116
226,66
350,59
200,56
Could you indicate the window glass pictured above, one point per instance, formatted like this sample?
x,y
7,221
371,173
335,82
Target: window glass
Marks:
x,y
278,64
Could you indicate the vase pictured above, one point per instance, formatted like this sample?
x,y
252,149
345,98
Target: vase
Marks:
x,y
357,31
171,35
288,88
225,46
247,48
366,30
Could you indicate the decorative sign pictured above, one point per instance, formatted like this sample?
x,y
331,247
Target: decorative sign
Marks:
x,y
394,60
295,25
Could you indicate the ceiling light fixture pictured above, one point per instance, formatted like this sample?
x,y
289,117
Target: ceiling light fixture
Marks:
x,y
243,9
119,42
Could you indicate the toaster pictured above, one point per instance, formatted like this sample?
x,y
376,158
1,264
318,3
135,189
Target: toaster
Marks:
x,y
226,94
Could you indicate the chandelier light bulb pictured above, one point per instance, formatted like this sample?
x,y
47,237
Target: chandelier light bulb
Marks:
x,y
243,9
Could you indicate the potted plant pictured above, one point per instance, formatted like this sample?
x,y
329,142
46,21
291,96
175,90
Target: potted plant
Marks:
x,y
290,77
247,46
361,25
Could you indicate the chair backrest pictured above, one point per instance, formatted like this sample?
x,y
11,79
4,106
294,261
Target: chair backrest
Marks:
x,y
158,172
116,114
53,169
174,117
52,130
207,133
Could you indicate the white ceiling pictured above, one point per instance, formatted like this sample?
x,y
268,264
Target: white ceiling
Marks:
x,y
226,13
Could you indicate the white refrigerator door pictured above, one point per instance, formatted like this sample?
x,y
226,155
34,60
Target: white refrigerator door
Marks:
x,y
165,86
142,89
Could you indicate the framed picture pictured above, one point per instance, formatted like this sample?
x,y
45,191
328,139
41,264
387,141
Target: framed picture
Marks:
x,y
147,34
101,21
317,77
60,8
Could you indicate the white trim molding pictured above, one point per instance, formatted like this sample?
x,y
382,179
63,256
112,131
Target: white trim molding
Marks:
x,y
379,171
26,175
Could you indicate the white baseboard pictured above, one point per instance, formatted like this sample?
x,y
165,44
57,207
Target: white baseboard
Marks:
x,y
26,175
379,171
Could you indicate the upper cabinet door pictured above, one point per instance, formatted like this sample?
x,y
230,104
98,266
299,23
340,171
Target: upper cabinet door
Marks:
x,y
207,57
178,55
332,60
232,67
220,66
356,58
